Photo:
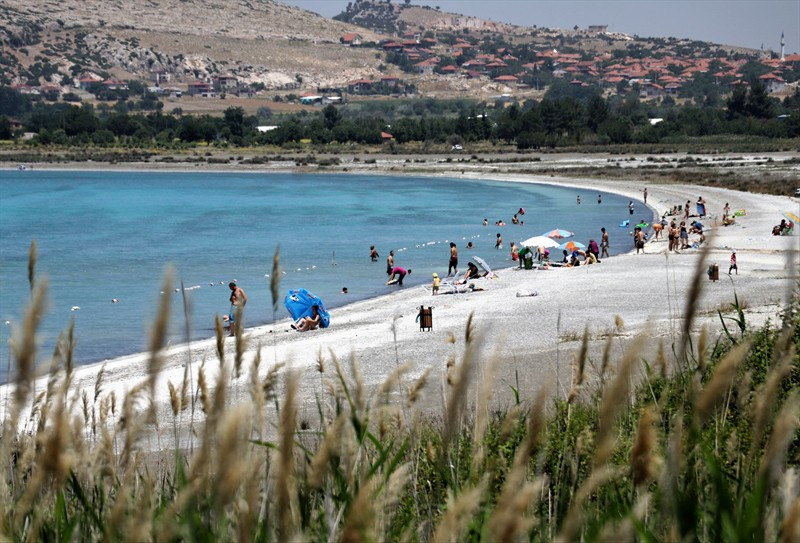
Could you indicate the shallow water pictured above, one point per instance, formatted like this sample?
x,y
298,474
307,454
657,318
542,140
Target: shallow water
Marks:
x,y
110,235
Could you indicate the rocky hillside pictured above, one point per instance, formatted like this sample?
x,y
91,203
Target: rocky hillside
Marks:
x,y
262,41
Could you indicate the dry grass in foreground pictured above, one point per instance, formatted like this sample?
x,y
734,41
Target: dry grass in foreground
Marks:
x,y
703,448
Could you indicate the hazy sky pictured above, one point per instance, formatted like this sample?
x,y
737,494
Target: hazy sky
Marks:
x,y
747,23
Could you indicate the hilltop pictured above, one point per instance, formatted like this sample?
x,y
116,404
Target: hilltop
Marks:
x,y
258,41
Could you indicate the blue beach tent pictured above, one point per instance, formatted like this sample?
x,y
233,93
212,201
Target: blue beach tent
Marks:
x,y
299,303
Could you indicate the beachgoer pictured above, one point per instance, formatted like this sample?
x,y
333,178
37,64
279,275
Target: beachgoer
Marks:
x,y
485,222
639,237
514,251
684,234
397,275
726,210
594,249
604,243
657,227
373,254
645,195
630,207
238,300
733,264
579,199
499,243
523,255
469,245
686,210
514,219
599,198
471,273
345,291
589,258
453,265
308,323
521,211
566,256
389,263
435,287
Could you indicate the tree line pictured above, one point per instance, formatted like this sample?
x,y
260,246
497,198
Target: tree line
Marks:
x,y
566,116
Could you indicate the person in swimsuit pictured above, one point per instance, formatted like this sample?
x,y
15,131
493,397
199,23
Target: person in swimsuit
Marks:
x,y
238,299
397,275
373,254
604,243
389,263
453,265
308,323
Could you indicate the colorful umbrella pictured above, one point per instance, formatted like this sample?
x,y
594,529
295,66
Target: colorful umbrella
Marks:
x,y
792,217
540,241
300,303
559,233
572,245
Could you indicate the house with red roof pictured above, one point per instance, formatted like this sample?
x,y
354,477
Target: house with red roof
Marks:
x,y
506,79
198,87
772,82
360,86
351,39
86,81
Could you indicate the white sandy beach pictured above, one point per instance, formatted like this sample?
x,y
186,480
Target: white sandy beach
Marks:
x,y
533,337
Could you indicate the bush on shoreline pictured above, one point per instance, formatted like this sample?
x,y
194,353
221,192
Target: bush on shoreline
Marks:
x,y
698,445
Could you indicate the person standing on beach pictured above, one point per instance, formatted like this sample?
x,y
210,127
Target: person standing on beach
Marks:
x,y
499,243
238,300
604,243
645,195
435,286
686,211
733,264
389,263
373,254
453,265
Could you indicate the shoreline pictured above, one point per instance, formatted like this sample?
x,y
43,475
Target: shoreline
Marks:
x,y
412,281
532,336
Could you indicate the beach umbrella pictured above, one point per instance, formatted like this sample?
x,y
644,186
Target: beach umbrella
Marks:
x,y
572,245
540,241
300,303
792,217
559,233
482,263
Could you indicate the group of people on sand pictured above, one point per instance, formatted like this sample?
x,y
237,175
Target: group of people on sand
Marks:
x,y
396,273
783,229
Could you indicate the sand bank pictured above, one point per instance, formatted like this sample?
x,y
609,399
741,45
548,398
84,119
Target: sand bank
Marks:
x,y
532,337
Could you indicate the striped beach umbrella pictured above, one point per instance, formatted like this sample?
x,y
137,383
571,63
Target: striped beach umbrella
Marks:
x,y
572,245
558,233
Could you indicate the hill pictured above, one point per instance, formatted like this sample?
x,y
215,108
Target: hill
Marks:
x,y
259,41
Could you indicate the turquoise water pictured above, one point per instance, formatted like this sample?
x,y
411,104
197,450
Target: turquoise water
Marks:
x,y
110,235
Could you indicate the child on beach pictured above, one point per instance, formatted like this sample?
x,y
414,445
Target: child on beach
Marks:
x,y
435,288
